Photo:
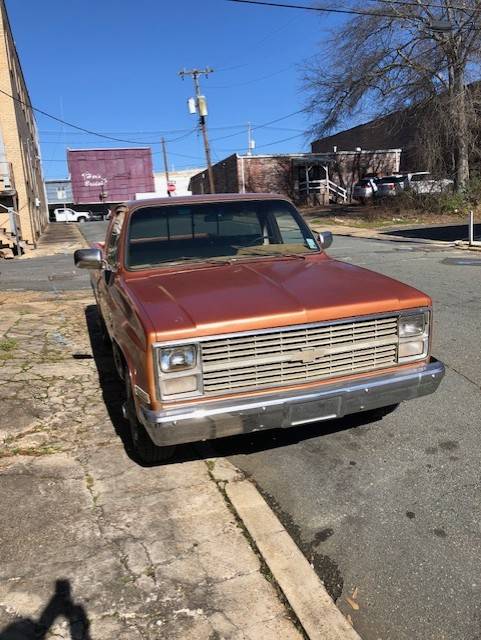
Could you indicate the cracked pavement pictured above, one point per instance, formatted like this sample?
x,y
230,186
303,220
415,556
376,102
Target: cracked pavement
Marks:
x,y
94,546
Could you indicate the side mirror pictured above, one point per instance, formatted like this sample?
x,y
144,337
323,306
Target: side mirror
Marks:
x,y
88,258
325,239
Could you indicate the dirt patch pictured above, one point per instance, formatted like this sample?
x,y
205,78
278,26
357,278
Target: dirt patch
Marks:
x,y
377,217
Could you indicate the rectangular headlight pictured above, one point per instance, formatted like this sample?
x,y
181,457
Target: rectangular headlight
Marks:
x,y
413,336
179,371
412,325
179,358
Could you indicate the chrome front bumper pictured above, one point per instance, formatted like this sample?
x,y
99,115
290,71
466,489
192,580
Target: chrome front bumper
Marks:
x,y
220,418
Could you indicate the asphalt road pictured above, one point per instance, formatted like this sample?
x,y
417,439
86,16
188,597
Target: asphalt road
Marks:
x,y
94,231
390,508
51,273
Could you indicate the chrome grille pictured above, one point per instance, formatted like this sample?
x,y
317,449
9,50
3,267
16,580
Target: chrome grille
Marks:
x,y
298,354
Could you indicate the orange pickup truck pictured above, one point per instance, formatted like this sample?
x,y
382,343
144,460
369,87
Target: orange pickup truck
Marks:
x,y
226,316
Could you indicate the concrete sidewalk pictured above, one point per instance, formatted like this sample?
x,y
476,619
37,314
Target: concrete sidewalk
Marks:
x,y
93,545
58,237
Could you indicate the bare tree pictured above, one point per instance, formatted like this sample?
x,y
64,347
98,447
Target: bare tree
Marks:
x,y
414,54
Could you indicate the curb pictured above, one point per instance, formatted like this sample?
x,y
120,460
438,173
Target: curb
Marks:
x,y
305,592
386,237
464,246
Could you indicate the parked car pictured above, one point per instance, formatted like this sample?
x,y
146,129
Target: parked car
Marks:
x,y
226,316
391,185
365,189
423,182
98,215
64,214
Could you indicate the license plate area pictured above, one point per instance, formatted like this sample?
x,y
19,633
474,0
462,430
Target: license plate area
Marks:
x,y
314,411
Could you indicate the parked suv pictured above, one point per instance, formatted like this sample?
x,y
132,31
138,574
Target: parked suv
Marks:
x,y
423,182
391,185
65,214
365,189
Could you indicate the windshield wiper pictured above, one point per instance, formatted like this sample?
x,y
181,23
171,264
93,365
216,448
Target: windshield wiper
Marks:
x,y
182,259
263,254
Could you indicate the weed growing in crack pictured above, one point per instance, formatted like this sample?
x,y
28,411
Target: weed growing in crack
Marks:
x,y
7,345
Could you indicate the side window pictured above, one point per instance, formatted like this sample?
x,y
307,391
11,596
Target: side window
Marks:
x,y
112,247
289,229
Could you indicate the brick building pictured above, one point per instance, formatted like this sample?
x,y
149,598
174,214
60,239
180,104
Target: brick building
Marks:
x,y
399,130
21,181
303,177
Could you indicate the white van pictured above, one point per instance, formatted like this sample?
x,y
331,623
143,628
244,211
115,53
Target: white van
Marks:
x,y
69,215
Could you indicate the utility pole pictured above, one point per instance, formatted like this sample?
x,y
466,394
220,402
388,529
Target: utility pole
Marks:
x,y
250,142
201,106
166,166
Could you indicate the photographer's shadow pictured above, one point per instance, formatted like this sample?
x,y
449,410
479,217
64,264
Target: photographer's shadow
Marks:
x,y
59,605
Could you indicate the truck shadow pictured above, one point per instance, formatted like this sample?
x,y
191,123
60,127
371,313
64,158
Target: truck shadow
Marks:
x,y
113,392
59,605
113,395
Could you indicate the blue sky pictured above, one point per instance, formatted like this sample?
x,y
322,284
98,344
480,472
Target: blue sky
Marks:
x,y
112,66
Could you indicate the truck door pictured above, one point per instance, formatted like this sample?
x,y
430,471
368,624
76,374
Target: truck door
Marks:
x,y
106,283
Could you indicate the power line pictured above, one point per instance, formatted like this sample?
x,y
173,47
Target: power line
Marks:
x,y
268,144
257,45
413,3
89,131
243,84
56,132
358,12
261,126
239,126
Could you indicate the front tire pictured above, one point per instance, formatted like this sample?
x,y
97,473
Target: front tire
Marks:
x,y
145,449
82,219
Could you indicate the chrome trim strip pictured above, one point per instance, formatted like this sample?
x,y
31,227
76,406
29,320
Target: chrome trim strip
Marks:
x,y
141,394
332,416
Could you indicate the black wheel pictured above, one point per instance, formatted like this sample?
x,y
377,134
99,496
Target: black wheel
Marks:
x,y
143,446
82,219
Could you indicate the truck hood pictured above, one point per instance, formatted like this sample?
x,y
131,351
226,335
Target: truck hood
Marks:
x,y
197,301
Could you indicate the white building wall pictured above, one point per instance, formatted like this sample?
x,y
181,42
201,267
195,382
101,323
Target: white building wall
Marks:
x,y
179,178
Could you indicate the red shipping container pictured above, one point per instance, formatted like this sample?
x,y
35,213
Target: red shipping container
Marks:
x,y
110,175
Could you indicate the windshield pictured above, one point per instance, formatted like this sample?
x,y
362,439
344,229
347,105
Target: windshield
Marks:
x,y
216,231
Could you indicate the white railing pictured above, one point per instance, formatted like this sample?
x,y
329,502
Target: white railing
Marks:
x,y
323,186
337,190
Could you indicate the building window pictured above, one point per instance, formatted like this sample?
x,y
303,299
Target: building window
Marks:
x,y
61,193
